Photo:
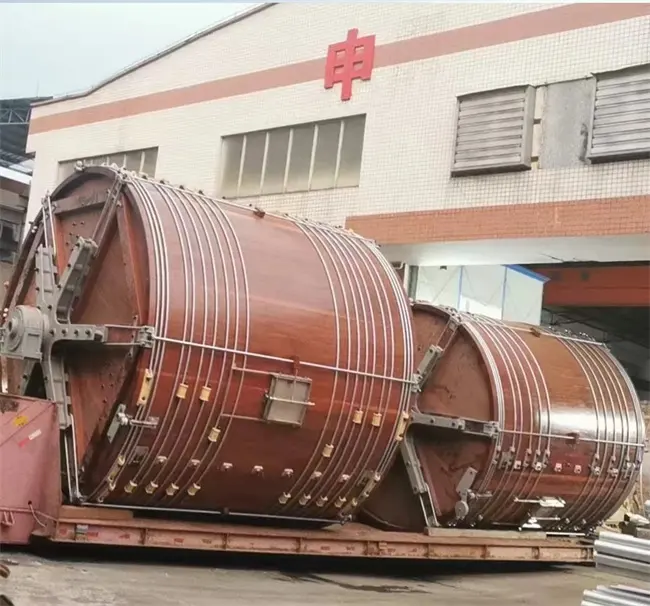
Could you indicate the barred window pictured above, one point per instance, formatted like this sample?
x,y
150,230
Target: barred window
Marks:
x,y
494,131
621,116
303,157
140,160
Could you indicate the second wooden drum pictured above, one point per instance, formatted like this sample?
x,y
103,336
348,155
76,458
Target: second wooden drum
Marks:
x,y
515,426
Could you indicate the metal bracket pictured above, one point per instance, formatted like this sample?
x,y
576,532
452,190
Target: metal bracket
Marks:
x,y
595,466
145,337
464,492
541,513
426,367
418,484
121,419
435,352
287,400
73,277
489,429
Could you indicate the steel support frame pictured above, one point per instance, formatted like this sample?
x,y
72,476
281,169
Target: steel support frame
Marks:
x,y
489,430
30,333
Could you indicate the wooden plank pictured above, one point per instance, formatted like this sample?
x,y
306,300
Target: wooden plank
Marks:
x,y
68,512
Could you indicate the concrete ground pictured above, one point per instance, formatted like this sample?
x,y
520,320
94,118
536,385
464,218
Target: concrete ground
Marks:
x,y
37,581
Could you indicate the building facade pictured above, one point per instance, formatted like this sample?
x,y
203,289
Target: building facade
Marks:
x,y
456,135
15,177
522,122
14,192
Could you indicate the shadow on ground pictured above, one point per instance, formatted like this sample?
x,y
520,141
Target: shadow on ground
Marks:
x,y
289,568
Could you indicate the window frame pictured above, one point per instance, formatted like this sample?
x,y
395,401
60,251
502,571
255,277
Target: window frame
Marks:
x,y
229,189
100,159
17,227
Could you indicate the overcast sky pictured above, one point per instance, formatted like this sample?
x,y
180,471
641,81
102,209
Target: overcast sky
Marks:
x,y
52,49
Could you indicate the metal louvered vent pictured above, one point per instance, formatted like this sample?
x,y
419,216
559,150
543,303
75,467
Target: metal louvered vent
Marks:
x,y
494,131
621,119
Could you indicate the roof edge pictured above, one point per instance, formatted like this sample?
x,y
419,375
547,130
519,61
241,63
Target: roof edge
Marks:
x,y
170,49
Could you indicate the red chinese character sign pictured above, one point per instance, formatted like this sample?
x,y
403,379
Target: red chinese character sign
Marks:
x,y
348,61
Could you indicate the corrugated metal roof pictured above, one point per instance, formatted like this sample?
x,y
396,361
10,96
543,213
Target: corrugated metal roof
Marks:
x,y
14,126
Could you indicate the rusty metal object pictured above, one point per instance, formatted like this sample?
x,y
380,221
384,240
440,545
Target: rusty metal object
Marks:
x,y
205,356
515,426
29,468
8,403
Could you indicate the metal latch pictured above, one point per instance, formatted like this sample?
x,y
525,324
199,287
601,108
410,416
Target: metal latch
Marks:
x,y
121,419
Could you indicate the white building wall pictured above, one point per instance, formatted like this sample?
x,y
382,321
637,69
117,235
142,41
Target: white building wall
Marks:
x,y
284,34
410,107
523,296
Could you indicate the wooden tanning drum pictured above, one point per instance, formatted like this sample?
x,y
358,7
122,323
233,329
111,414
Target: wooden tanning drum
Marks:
x,y
244,362
515,426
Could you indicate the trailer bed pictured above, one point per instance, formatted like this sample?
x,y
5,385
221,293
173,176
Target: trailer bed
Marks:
x,y
89,525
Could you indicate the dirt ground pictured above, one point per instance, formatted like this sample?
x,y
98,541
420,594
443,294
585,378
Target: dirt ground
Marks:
x,y
39,581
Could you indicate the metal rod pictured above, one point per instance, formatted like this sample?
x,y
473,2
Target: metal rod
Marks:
x,y
278,359
568,437
216,513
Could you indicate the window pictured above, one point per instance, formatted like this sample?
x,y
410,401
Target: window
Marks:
x,y
494,131
9,239
140,160
304,157
621,115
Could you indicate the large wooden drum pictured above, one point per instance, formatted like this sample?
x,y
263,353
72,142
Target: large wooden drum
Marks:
x,y
515,426
273,378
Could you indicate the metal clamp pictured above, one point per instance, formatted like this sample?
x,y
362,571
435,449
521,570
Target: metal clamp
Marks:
x,y
418,484
489,429
121,419
435,352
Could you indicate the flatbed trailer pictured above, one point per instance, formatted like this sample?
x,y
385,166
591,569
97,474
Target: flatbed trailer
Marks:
x,y
111,527
31,506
